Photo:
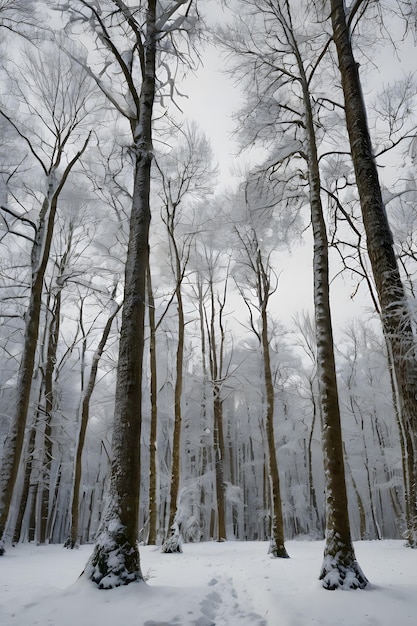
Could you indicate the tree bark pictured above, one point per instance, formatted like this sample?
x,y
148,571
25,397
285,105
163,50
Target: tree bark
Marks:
x,y
216,366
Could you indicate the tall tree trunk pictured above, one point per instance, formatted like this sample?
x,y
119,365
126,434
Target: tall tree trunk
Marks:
x,y
277,547
153,478
115,560
24,496
14,442
203,405
44,485
340,569
395,316
216,366
219,451
172,542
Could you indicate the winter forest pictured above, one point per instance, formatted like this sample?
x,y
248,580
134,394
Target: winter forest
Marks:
x,y
156,387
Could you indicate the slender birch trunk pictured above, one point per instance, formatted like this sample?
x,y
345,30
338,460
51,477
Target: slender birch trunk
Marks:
x,y
44,485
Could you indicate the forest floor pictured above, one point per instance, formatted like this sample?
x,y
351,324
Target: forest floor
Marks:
x,y
227,584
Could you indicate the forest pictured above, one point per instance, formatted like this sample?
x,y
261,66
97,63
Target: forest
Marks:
x,y
154,390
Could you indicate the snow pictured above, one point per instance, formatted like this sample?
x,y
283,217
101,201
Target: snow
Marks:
x,y
221,584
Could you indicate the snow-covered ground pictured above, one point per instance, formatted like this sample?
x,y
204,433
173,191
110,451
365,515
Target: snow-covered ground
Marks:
x,y
227,584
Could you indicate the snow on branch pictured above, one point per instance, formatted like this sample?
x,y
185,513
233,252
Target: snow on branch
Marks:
x,y
282,154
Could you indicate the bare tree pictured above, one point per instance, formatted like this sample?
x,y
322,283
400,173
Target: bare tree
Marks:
x,y
186,174
84,414
213,315
56,100
131,40
258,278
276,67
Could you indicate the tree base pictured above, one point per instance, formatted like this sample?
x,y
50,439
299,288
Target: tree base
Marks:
x,y
172,545
336,574
70,544
277,551
411,538
115,562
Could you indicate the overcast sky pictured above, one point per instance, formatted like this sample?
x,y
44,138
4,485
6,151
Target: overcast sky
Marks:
x,y
211,103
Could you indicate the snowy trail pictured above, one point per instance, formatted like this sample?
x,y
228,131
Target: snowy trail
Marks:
x,y
223,602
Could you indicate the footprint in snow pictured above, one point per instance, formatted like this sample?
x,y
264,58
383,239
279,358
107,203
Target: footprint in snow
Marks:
x,y
222,604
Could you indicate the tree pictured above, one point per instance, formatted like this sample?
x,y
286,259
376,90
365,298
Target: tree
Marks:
x,y
131,41
305,339
259,278
84,413
56,100
186,173
17,16
215,335
286,73
395,315
153,475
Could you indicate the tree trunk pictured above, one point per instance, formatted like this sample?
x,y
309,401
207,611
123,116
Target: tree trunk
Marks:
x,y
218,440
115,560
277,547
24,496
340,569
153,478
44,485
395,316
216,366
173,539
14,442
